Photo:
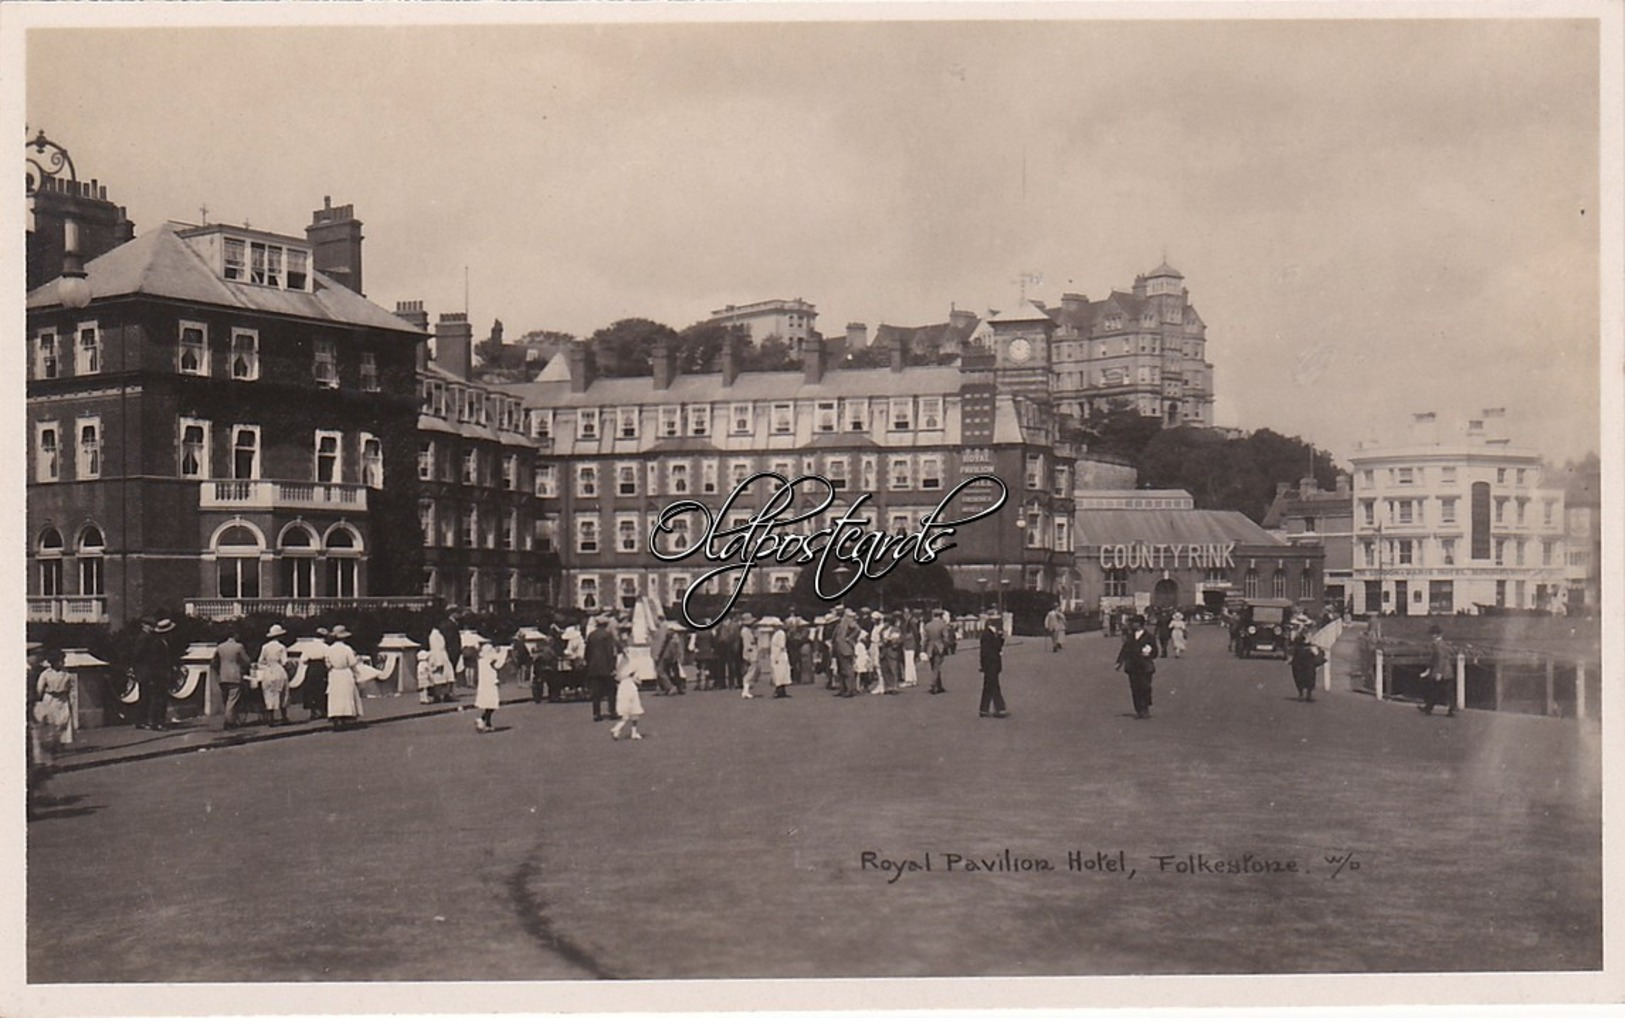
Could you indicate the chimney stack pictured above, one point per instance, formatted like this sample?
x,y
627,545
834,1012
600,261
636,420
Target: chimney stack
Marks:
x,y
1342,484
413,313
857,337
580,363
1281,488
961,319
663,358
813,359
454,344
335,243
730,358
1071,301
899,348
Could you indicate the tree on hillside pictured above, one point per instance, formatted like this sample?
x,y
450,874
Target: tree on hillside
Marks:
x,y
625,347
1231,474
1121,431
772,354
870,356
700,345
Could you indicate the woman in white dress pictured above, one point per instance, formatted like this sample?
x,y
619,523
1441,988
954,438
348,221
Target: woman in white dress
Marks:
x,y
343,698
628,702
486,696
1176,634
778,657
272,671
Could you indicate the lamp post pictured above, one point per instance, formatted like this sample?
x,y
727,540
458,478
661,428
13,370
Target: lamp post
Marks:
x,y
981,602
46,160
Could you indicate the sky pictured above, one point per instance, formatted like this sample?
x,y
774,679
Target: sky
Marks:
x,y
1373,217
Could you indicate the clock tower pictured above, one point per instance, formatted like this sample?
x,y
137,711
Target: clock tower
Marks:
x,y
1021,350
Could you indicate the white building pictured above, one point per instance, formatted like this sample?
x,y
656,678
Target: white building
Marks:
x,y
791,320
1449,521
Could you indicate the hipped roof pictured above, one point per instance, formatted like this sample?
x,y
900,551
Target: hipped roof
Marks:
x,y
1169,526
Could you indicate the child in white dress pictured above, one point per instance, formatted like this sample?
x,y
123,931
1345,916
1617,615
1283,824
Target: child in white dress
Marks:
x,y
628,702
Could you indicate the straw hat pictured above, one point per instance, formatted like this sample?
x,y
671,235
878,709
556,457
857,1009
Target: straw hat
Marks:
x,y
166,625
770,622
275,631
339,632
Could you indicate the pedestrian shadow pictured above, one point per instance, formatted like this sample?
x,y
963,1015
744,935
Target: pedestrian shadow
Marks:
x,y
59,807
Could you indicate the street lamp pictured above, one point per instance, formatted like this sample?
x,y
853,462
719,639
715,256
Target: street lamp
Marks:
x,y
981,602
47,160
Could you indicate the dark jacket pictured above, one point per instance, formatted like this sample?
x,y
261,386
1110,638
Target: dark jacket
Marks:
x,y
602,650
992,651
151,658
1139,653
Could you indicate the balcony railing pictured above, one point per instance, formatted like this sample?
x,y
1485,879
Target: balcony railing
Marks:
x,y
68,609
267,494
225,609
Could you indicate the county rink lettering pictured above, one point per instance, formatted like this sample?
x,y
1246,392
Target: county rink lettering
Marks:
x,y
1097,861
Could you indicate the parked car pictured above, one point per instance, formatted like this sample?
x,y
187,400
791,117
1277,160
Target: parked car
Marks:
x,y
1264,626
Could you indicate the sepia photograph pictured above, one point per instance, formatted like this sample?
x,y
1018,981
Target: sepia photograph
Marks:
x,y
915,506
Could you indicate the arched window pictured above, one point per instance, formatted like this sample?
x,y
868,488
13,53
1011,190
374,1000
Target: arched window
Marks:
x,y
50,562
92,581
343,561
1278,584
237,562
298,562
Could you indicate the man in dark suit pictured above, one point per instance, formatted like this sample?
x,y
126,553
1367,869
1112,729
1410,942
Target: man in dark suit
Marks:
x,y
155,668
1138,659
603,649
937,638
992,667
843,647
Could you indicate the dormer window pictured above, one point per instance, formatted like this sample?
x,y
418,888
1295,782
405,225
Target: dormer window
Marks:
x,y
298,269
236,259
265,263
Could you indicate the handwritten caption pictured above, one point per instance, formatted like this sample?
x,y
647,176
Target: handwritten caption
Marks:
x,y
1110,863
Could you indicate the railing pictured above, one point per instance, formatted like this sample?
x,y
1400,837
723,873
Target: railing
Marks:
x,y
224,609
1488,677
68,609
265,494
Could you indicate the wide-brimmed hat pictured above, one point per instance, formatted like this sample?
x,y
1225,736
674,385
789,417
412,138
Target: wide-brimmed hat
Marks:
x,y
166,625
747,618
339,632
275,631
770,622
794,620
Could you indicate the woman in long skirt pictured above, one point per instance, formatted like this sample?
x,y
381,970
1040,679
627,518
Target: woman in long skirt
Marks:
x,y
486,697
778,657
343,698
313,691
628,702
272,671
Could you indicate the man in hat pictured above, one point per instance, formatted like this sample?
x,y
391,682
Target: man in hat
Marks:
x,y
154,665
844,648
749,654
230,664
1440,675
668,656
603,649
1138,659
937,635
1055,625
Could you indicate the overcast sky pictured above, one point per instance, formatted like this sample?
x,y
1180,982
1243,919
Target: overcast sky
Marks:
x,y
1372,217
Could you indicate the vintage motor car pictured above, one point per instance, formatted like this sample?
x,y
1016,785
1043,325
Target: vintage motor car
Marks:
x,y
1264,626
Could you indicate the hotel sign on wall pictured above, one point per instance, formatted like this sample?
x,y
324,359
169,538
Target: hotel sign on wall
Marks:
x,y
1155,556
980,493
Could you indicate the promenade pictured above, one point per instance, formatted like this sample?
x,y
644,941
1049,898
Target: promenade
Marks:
x,y
1237,831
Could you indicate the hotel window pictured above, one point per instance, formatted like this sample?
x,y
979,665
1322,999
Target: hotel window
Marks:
x,y
1116,582
678,541
1063,534
897,523
245,452
1447,510
626,533
194,448
1517,550
586,535
369,372
653,468
46,365
541,423
586,480
1520,476
587,592
1370,554
699,420
1548,512
1306,585
931,472
783,418
784,467
836,468
245,355
265,264
827,414
426,520
1278,584
678,474
930,413
193,356
1368,510
471,527
237,564
1523,508
50,563
1403,551
708,477
510,471
547,481
47,452
670,420
372,462
1405,476
326,366
1035,471
298,269
587,424
426,460
1368,477
1501,475
90,350
626,479
471,467
1404,512
739,418
627,422
1063,481
329,461
89,464
627,590
869,468
902,413
857,415
1447,474
236,255
547,531
737,471
1447,551
901,473
1500,510
1032,528
1500,552
1249,584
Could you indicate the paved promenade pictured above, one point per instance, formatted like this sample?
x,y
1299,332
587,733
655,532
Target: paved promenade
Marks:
x,y
1237,831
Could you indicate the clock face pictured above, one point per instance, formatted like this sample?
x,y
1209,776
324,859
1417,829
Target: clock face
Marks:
x,y
1021,349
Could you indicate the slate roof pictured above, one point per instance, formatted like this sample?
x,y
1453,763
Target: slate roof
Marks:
x,y
748,386
162,265
1122,525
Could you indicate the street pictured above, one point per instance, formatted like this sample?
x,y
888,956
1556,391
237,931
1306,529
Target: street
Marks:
x,y
1236,831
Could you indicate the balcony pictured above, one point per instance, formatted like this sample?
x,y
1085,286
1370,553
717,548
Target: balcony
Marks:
x,y
271,494
227,609
68,609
